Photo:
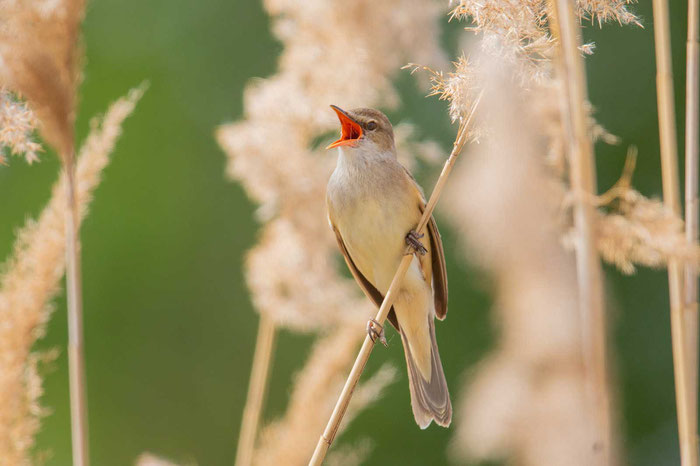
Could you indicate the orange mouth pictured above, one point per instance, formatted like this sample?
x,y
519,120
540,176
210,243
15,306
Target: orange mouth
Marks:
x,y
350,131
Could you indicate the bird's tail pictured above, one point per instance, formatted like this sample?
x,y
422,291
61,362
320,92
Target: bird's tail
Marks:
x,y
430,399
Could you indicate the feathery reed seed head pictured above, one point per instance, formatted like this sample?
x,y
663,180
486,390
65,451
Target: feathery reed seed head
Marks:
x,y
527,401
40,59
17,125
29,281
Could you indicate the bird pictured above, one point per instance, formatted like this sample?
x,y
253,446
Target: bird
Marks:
x,y
374,205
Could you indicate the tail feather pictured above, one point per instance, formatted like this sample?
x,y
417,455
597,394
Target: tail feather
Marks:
x,y
430,399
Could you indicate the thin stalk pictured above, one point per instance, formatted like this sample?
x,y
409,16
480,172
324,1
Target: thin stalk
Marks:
x,y
671,192
692,126
257,388
76,353
326,439
583,184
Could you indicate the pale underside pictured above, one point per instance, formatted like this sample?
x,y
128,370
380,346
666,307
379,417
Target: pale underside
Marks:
x,y
371,221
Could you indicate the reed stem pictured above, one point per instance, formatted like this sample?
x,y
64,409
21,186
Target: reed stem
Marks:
x,y
692,126
583,184
257,389
326,439
76,353
671,192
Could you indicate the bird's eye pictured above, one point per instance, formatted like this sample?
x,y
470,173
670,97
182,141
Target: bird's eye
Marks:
x,y
372,125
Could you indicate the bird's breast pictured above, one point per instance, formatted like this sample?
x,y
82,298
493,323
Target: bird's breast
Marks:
x,y
373,220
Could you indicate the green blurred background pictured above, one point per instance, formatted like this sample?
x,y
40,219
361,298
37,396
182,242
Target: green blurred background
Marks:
x,y
169,326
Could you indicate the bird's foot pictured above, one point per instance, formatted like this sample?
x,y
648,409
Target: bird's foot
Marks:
x,y
413,240
372,326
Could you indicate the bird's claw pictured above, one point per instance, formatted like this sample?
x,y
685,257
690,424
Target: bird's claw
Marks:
x,y
374,334
413,240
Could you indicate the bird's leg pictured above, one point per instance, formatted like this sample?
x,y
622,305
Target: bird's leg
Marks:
x,y
413,240
374,334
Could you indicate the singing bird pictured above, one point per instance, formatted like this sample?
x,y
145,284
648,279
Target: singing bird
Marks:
x,y
374,205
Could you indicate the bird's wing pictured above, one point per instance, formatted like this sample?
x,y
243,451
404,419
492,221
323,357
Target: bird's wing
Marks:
x,y
437,270
369,289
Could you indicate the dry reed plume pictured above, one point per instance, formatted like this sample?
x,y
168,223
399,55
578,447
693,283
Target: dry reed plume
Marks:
x,y
17,125
528,400
640,230
293,272
40,59
31,279
606,11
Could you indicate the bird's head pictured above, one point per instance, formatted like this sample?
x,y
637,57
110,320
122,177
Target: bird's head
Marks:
x,y
364,129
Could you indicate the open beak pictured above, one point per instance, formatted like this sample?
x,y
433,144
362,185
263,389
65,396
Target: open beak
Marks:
x,y
350,130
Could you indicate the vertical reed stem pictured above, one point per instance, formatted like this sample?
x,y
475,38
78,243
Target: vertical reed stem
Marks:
x,y
692,126
76,354
671,191
583,184
326,439
257,388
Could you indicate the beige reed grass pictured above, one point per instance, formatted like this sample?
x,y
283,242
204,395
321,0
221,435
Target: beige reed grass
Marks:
x,y
257,389
31,278
528,401
17,125
39,44
692,205
583,185
687,432
341,406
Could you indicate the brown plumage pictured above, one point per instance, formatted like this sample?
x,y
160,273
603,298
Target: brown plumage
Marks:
x,y
373,203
